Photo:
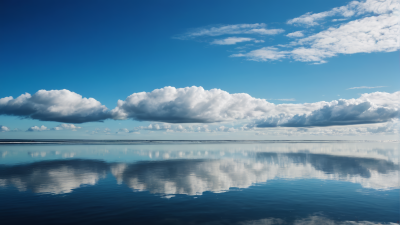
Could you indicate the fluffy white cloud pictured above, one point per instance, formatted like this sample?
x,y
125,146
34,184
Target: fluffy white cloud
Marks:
x,y
66,127
4,128
295,34
234,40
196,105
190,105
256,28
36,128
376,107
55,105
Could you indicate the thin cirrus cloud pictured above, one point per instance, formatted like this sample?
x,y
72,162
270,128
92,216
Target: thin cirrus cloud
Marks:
x,y
371,33
197,105
354,8
295,34
55,105
365,87
256,28
234,40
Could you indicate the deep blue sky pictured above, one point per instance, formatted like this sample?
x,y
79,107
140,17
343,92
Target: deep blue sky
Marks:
x,y
110,49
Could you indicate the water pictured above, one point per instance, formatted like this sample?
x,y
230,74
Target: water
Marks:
x,y
200,183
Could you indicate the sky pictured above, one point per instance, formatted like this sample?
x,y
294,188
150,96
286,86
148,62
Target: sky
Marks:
x,y
177,70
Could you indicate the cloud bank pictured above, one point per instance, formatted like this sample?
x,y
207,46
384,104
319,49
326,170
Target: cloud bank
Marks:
x,y
55,105
197,105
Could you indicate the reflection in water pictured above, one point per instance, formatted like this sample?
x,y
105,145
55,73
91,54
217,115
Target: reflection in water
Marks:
x,y
54,177
311,220
195,176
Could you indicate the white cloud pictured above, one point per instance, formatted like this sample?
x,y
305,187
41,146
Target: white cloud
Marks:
x,y
371,33
296,34
376,107
365,87
66,127
196,105
366,35
4,128
36,128
234,40
263,54
55,105
257,28
349,10
189,105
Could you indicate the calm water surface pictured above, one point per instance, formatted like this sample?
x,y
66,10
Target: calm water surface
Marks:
x,y
202,183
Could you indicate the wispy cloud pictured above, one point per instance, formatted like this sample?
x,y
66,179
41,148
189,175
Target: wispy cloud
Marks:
x,y
295,34
256,28
377,33
365,87
234,40
354,8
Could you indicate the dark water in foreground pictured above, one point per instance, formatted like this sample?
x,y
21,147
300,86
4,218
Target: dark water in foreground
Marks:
x,y
218,183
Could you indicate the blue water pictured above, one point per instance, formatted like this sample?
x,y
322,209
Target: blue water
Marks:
x,y
203,183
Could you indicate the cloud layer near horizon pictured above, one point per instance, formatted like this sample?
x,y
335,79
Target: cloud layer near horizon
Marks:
x,y
196,105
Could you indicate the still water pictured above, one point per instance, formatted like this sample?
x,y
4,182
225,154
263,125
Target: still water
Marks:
x,y
200,183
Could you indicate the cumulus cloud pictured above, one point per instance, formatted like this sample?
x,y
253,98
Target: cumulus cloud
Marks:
x,y
354,8
55,105
189,105
369,108
196,105
234,40
256,28
4,128
36,128
66,127
296,34
365,87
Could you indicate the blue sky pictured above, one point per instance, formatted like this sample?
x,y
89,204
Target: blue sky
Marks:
x,y
278,51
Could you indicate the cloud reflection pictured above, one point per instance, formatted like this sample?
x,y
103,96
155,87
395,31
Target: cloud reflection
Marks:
x,y
196,176
53,177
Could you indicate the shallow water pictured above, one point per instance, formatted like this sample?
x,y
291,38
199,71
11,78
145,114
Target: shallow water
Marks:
x,y
200,183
